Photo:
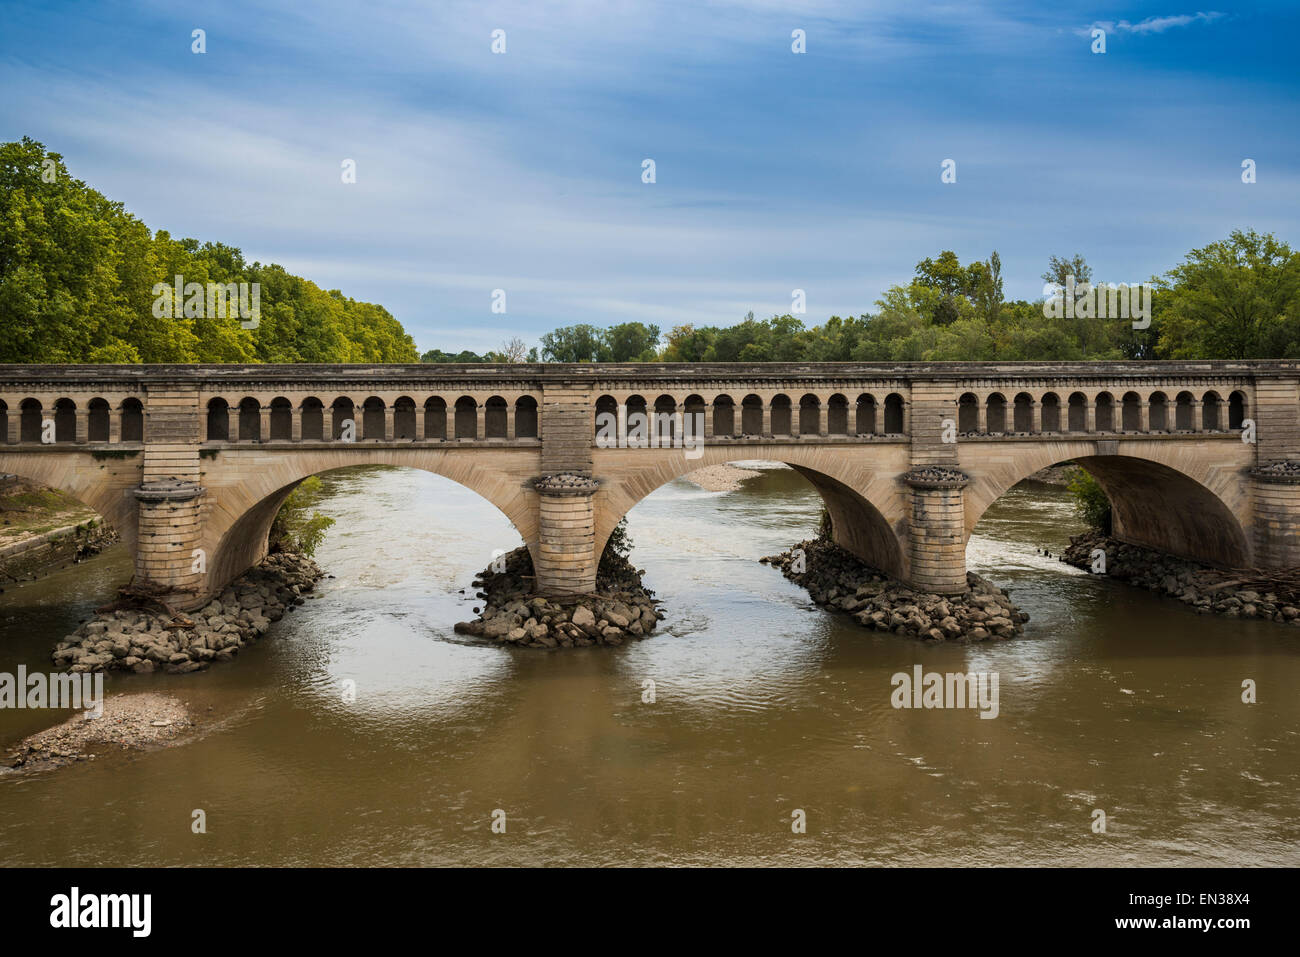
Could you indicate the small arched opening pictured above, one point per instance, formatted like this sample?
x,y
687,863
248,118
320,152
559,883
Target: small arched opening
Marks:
x,y
281,419
466,418
218,420
313,419
132,413
525,417
435,418
98,414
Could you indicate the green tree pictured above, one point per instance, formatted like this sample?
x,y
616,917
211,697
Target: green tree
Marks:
x,y
78,280
1238,298
632,342
297,527
1059,268
1090,501
580,343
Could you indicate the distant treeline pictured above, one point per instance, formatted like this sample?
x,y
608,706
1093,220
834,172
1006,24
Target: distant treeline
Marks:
x,y
1238,298
78,276
80,280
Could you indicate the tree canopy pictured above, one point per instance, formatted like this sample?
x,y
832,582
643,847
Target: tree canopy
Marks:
x,y
77,279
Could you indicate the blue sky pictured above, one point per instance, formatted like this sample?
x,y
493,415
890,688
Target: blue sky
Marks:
x,y
775,170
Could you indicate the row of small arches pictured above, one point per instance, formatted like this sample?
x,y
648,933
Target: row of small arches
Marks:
x,y
467,419
464,419
1130,412
100,418
784,416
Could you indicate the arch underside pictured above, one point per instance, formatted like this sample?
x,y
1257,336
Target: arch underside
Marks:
x,y
858,525
1156,506
1194,506
240,507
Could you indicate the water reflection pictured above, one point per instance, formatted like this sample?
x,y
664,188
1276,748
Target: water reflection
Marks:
x,y
764,703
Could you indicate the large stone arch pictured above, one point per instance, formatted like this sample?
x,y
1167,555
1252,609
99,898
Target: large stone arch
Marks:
x,y
859,487
1191,502
104,483
244,490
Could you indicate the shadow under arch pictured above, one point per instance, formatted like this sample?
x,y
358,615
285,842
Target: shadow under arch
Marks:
x,y
244,542
1158,506
859,525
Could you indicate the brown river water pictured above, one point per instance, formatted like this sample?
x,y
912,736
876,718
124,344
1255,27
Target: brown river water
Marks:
x,y
1114,699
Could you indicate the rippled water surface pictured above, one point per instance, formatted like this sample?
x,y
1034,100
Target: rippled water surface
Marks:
x,y
1113,699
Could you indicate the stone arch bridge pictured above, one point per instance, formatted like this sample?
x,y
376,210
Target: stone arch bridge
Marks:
x,y
191,462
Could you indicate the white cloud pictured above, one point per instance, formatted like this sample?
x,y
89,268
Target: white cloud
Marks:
x,y
1151,24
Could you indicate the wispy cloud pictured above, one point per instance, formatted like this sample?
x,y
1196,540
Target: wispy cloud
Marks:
x,y
1152,24
776,171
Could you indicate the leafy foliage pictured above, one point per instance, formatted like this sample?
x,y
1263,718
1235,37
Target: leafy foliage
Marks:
x,y
1234,299
1090,501
1239,298
626,342
77,273
825,527
619,543
297,527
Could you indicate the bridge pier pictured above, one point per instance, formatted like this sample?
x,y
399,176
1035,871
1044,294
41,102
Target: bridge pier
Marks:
x,y
566,559
1277,515
937,530
169,525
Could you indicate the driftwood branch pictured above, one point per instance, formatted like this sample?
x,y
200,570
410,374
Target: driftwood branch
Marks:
x,y
147,596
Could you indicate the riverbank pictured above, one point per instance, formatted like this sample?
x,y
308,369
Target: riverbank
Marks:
x,y
42,529
129,722
144,640
840,581
721,478
1208,590
1060,474
621,608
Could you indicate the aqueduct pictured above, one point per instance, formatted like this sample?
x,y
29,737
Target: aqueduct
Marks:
x,y
191,462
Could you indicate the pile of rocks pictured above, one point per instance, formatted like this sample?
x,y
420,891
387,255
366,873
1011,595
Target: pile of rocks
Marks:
x,y
839,580
565,483
1208,590
620,609
939,474
143,641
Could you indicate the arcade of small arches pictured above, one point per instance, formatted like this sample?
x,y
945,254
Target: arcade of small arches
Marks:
x,y
889,414
467,417
117,419
376,418
1103,411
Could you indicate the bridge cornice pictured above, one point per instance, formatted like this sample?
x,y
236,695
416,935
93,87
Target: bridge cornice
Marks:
x,y
602,375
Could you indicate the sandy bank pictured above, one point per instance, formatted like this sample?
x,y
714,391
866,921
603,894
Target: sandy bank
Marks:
x,y
720,478
129,722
